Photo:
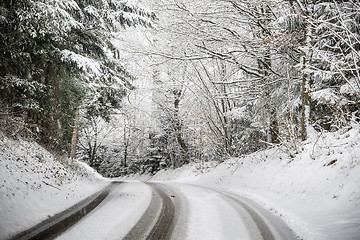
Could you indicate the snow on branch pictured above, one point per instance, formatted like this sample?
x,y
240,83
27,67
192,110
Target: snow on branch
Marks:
x,y
325,96
83,63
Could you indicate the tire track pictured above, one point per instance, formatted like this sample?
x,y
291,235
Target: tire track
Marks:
x,y
164,226
270,226
162,210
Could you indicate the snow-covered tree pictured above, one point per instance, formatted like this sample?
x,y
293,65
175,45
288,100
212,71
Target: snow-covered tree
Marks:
x,y
335,71
58,55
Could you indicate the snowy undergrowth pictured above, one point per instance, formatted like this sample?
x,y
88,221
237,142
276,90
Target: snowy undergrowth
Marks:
x,y
317,192
35,184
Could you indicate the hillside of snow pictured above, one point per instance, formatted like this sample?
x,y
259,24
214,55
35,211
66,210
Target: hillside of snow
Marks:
x,y
35,184
317,193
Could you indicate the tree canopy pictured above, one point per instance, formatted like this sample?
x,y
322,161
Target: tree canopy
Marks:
x,y
57,55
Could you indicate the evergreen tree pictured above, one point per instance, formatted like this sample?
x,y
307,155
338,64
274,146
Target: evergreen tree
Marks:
x,y
57,55
335,71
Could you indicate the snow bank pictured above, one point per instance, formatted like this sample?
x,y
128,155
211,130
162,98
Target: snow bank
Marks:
x,y
317,192
187,173
35,184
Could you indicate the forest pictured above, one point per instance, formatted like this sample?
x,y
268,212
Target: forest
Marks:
x,y
138,86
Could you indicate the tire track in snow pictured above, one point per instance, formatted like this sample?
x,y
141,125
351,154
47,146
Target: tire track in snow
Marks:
x,y
270,226
161,209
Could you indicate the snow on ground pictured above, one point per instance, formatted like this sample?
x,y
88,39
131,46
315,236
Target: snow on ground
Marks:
x,y
35,184
317,193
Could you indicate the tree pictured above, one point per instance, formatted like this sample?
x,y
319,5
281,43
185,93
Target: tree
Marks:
x,y
227,33
170,89
328,61
232,77
335,67
54,61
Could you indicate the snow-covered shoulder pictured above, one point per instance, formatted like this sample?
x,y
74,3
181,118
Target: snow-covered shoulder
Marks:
x,y
35,184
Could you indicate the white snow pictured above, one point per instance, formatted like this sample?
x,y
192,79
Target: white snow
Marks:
x,y
238,113
84,63
35,185
317,193
325,96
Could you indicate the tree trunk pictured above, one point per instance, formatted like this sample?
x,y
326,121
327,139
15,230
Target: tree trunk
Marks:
x,y
177,126
274,127
75,134
125,146
305,86
303,103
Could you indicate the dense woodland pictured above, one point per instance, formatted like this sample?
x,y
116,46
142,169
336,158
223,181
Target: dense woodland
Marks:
x,y
135,90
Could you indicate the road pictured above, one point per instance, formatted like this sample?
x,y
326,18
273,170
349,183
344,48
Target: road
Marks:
x,y
136,210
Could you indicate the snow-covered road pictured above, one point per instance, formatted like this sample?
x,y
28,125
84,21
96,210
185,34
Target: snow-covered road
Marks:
x,y
115,216
207,213
136,210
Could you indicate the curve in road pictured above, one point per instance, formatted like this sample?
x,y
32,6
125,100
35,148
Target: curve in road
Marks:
x,y
161,209
169,211
270,226
259,223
